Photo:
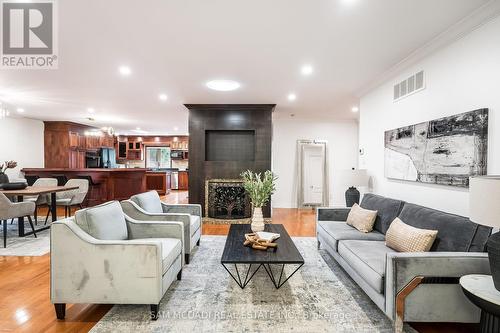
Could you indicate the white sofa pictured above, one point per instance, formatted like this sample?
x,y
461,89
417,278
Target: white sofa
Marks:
x,y
101,256
148,207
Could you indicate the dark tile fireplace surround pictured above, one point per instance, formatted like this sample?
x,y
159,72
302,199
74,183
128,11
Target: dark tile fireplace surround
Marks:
x,y
224,141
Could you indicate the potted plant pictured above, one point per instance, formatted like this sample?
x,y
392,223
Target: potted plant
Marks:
x,y
259,188
3,167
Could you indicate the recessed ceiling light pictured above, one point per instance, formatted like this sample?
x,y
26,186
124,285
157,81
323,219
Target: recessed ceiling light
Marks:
x,y
162,97
138,128
306,70
20,110
90,110
223,85
292,97
125,70
354,109
176,128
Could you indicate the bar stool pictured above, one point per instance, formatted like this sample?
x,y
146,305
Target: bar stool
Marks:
x,y
31,179
72,198
92,186
61,179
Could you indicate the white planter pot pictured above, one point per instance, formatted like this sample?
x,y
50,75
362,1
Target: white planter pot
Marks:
x,y
257,220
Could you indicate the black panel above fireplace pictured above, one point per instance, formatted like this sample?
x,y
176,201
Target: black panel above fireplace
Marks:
x,y
231,125
229,145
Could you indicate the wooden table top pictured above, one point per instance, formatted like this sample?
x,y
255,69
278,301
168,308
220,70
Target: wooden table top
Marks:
x,y
236,253
36,190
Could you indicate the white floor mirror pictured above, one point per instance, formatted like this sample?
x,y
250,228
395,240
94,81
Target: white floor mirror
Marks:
x,y
312,180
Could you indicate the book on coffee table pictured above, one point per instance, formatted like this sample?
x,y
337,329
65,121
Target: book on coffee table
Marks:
x,y
267,236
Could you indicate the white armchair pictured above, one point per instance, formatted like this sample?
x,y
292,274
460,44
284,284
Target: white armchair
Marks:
x,y
148,207
101,256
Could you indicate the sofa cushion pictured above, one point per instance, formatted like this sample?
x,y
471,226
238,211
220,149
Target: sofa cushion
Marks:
x,y
405,238
361,219
387,209
194,223
455,233
149,201
341,231
368,259
171,248
106,221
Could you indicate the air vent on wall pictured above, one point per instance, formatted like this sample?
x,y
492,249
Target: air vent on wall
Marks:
x,y
409,86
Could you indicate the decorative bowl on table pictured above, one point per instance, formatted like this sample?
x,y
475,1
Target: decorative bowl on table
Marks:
x,y
14,186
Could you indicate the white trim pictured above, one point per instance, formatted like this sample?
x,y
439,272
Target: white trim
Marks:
x,y
471,22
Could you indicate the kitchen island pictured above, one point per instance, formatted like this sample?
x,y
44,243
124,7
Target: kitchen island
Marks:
x,y
105,184
159,181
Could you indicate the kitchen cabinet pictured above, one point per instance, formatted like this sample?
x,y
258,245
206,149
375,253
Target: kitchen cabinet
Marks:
x,y
65,143
158,181
183,180
77,159
106,141
122,150
74,139
135,151
92,142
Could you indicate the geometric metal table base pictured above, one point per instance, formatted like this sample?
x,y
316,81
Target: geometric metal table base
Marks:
x,y
247,279
285,253
277,281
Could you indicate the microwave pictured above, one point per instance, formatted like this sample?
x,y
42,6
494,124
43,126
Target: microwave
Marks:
x,y
177,155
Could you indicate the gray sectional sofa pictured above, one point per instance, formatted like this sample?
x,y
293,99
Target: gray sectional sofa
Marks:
x,y
418,286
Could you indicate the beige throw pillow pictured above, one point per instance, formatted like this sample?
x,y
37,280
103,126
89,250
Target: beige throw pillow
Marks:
x,y
405,238
361,219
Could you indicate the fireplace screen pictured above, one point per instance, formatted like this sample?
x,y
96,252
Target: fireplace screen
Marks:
x,y
227,199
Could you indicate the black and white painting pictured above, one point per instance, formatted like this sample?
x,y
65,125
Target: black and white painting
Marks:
x,y
444,151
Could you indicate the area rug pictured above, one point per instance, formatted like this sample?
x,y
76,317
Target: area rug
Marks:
x,y
320,297
25,246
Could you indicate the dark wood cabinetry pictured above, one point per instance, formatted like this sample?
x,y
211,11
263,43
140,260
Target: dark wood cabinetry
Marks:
x,y
183,180
107,184
121,150
158,181
66,143
77,159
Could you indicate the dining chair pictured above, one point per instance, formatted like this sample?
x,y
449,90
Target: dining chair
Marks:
x,y
11,210
42,199
68,199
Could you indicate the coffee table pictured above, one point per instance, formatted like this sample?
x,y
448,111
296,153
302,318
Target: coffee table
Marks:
x,y
236,254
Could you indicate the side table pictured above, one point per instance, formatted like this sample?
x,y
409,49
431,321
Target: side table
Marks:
x,y
481,291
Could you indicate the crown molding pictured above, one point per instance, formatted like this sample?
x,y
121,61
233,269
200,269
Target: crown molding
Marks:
x,y
462,28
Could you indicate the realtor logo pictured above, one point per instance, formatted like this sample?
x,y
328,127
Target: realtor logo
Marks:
x,y
29,34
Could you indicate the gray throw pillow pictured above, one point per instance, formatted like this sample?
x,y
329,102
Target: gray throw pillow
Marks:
x,y
105,222
149,201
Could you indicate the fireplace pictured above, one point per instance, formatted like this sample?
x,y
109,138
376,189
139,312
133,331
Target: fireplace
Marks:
x,y
226,199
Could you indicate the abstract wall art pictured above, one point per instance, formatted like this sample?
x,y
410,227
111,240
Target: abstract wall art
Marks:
x,y
445,151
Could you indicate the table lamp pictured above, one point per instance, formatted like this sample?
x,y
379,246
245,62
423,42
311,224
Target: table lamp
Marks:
x,y
484,198
354,178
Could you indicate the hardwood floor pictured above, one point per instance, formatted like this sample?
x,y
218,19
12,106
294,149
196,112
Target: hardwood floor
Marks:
x,y
24,285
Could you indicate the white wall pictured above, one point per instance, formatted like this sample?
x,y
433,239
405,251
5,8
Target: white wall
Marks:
x,y
21,140
342,140
462,77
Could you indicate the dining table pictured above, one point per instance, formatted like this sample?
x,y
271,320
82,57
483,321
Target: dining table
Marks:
x,y
34,191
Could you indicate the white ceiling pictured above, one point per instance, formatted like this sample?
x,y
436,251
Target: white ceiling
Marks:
x,y
176,46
